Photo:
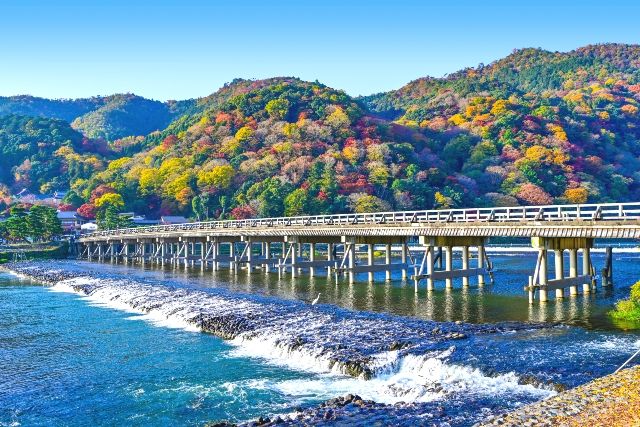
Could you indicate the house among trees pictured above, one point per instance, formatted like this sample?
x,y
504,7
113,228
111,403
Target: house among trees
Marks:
x,y
168,220
71,221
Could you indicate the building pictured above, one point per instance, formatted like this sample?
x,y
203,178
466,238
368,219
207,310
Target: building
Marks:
x,y
88,227
71,221
168,220
139,220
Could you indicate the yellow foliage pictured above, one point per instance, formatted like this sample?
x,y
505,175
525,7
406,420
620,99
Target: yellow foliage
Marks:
x,y
173,187
219,177
112,199
576,195
175,164
456,119
538,154
118,164
557,131
603,115
574,97
290,129
150,181
338,118
244,134
230,146
499,107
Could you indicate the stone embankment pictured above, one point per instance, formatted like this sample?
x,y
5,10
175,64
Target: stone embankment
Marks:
x,y
611,401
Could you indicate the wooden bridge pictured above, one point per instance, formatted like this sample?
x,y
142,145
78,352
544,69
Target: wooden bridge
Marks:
x,y
346,243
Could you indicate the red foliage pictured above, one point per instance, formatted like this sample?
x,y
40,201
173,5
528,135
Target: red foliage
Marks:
x,y
100,191
243,212
169,141
354,183
99,146
66,207
87,210
531,194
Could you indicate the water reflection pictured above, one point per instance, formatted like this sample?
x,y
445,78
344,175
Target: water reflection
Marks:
x,y
503,301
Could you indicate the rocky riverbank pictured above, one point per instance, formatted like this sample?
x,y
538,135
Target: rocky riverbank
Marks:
x,y
612,401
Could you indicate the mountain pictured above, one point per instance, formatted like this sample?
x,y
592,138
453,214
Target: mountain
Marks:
x,y
535,127
110,118
42,155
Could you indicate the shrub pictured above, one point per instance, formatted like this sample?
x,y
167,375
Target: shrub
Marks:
x,y
628,309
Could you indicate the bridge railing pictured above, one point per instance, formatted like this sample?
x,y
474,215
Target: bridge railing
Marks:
x,y
585,212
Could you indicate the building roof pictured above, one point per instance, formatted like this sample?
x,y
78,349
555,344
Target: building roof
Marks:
x,y
68,215
173,219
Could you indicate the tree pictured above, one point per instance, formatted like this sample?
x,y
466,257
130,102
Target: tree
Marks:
x,y
52,224
531,194
278,108
17,224
295,203
36,221
363,203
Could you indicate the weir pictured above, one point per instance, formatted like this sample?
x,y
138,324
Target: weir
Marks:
x,y
359,245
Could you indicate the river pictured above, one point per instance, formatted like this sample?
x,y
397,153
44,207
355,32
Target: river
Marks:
x,y
121,345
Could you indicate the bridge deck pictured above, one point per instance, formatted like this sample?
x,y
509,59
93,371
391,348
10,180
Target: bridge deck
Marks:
x,y
611,221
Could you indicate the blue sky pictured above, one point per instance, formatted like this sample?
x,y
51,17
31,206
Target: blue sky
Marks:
x,y
188,48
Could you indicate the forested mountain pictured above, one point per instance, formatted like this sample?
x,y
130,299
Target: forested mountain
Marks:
x,y
535,127
110,117
42,155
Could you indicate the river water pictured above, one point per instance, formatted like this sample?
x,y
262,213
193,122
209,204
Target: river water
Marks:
x,y
119,344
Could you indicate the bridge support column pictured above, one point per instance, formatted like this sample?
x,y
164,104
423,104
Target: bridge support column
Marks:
x,y
352,261
387,260
448,266
295,248
543,267
481,256
586,269
465,265
232,254
558,259
429,266
370,260
163,253
267,257
249,251
558,245
312,258
403,259
573,270
330,257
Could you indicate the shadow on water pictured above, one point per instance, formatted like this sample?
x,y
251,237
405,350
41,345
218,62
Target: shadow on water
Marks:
x,y
504,300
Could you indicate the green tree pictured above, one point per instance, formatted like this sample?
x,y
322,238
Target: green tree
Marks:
x,y
295,203
36,222
17,224
278,108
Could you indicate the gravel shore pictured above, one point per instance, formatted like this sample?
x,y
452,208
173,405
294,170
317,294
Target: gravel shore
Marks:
x,y
609,401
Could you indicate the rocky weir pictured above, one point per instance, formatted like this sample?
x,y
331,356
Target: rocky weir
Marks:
x,y
406,360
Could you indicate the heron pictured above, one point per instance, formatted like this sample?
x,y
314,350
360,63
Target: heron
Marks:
x,y
315,301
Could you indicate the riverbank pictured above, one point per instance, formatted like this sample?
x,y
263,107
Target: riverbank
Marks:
x,y
32,252
613,400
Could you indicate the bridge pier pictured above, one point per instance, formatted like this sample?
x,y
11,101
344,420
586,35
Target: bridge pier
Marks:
x,y
540,282
433,246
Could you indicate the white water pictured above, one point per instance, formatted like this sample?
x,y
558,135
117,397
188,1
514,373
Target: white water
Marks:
x,y
408,378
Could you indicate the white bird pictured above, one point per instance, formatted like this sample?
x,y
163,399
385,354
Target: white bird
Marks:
x,y
315,301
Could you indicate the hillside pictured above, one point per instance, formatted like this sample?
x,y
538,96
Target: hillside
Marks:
x,y
536,127
110,118
44,155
